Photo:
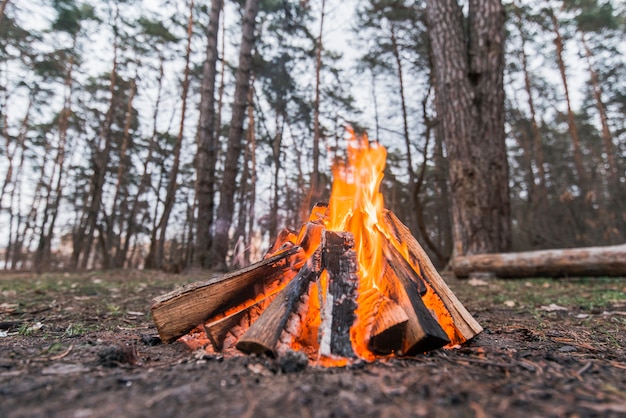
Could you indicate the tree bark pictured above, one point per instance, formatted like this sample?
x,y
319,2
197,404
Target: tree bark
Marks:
x,y
591,261
470,105
207,143
235,132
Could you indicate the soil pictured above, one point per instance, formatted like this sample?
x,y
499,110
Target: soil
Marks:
x,y
83,345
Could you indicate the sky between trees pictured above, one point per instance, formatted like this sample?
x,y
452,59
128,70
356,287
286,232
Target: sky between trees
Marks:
x,y
92,99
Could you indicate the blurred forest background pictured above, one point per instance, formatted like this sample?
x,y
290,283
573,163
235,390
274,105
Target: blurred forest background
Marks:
x,y
170,134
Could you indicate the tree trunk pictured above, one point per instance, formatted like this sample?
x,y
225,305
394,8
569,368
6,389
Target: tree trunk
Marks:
x,y
207,143
84,235
571,123
3,7
156,254
119,210
246,188
144,182
470,105
316,191
537,144
607,141
235,133
42,255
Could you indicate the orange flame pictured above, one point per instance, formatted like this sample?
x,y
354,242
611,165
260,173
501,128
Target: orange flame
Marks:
x,y
356,205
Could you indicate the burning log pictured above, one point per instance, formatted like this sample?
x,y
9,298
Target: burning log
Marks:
x,y
338,315
263,336
463,327
423,332
591,261
181,310
389,328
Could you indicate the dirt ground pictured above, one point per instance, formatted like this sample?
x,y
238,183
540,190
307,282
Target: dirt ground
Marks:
x,y
84,345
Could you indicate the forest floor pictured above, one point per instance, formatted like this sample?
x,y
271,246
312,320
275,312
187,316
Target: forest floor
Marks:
x,y
84,345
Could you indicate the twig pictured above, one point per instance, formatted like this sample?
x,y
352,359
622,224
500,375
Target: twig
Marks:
x,y
63,354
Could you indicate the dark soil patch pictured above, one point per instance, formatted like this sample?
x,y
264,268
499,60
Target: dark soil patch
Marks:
x,y
84,345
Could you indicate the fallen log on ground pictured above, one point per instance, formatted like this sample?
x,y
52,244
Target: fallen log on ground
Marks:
x,y
570,262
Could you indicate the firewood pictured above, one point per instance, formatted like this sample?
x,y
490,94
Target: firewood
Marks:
x,y
263,335
339,260
423,332
389,328
217,330
179,311
463,325
590,261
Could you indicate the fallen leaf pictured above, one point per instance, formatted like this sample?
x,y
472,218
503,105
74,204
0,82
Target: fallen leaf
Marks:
x,y
61,369
509,303
477,282
8,307
258,368
553,307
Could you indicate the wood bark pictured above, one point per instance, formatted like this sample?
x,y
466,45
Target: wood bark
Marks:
x,y
181,310
590,261
469,70
225,208
206,157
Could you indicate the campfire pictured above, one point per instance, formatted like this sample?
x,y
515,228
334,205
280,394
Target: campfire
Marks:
x,y
352,284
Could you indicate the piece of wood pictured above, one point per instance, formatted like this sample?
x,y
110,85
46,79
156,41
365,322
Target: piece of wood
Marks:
x,y
263,335
460,324
339,261
590,261
423,332
217,331
179,311
387,332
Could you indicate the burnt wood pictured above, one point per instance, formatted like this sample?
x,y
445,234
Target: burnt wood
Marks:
x,y
339,260
177,312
